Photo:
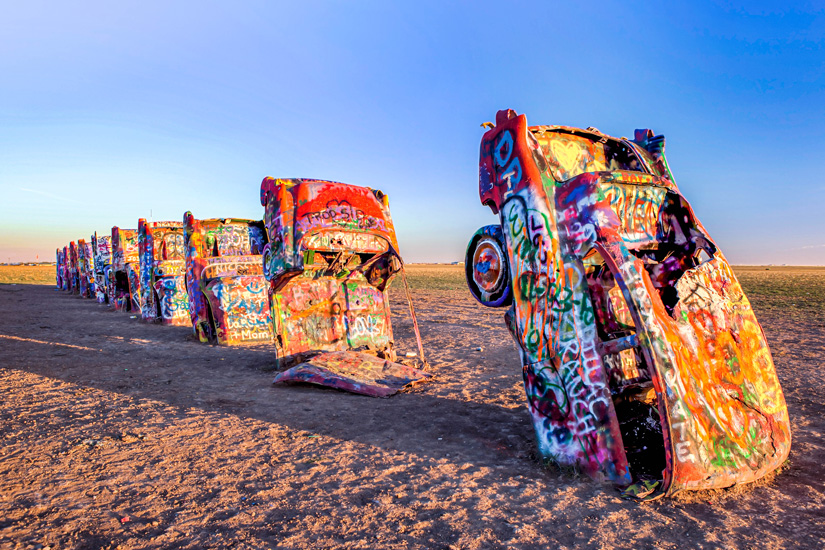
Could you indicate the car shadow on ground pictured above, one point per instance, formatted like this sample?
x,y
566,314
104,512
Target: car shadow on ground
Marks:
x,y
85,343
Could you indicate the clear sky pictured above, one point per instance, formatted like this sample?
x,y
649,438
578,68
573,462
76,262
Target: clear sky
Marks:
x,y
111,111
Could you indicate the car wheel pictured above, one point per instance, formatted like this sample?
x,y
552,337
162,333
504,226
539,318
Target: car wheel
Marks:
x,y
487,269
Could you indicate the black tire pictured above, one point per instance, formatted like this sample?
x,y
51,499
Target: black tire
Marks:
x,y
487,269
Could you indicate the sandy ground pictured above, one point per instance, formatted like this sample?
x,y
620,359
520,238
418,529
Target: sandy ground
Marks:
x,y
119,434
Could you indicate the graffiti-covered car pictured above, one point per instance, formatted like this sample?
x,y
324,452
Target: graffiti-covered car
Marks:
x,y
332,252
162,267
124,283
642,359
73,270
67,268
86,268
60,268
102,248
228,294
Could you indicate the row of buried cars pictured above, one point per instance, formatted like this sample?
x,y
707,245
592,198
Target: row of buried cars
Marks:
x,y
310,279
643,362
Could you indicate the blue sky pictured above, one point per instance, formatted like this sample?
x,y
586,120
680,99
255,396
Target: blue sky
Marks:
x,y
111,111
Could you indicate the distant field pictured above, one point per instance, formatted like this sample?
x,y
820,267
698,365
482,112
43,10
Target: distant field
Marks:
x,y
786,288
421,276
800,289
27,274
772,286
434,277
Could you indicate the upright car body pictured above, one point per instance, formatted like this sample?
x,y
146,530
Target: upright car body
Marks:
x,y
332,251
102,250
86,268
73,270
642,359
228,295
60,268
124,283
161,254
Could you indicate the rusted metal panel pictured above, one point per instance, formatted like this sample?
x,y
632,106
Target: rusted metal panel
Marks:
x,y
124,284
354,372
162,267
643,361
102,247
228,294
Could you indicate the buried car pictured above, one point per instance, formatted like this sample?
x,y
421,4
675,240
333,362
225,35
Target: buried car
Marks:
x,y
642,359
86,268
67,268
73,270
60,268
124,284
228,294
102,249
332,252
161,255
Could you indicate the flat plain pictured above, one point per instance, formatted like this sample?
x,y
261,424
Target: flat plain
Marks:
x,y
119,434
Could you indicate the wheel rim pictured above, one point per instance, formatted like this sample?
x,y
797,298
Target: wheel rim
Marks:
x,y
488,266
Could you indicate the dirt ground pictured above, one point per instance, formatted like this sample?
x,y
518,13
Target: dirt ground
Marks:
x,y
120,434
